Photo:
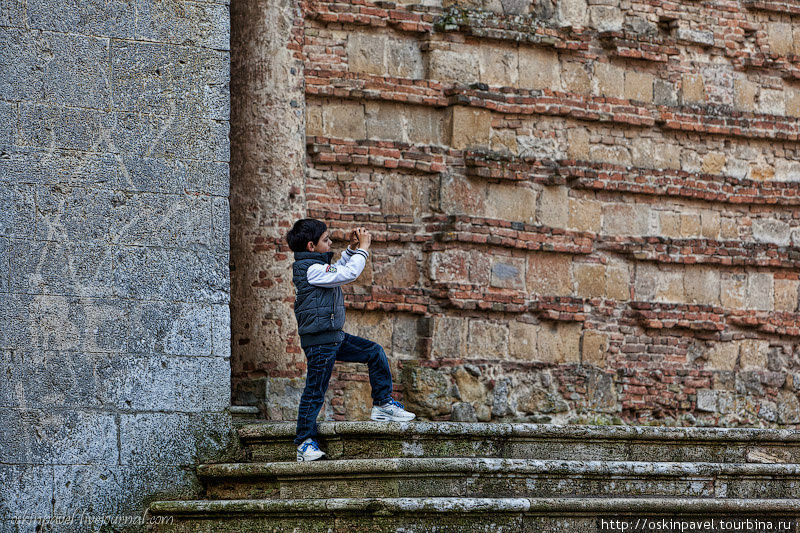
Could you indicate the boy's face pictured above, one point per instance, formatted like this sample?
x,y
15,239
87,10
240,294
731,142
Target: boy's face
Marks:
x,y
322,246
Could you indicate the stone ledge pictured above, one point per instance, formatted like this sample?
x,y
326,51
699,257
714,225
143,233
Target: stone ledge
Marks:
x,y
494,466
577,174
777,7
702,251
545,506
283,430
712,119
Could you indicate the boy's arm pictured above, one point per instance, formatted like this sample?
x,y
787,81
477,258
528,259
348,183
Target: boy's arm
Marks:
x,y
335,275
346,255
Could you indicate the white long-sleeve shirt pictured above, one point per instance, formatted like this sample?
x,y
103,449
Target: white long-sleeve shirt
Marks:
x,y
345,270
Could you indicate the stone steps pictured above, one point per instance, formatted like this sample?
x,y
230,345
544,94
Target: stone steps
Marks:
x,y
367,440
517,515
490,477
469,477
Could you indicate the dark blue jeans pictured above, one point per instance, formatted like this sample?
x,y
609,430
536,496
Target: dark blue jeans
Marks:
x,y
320,358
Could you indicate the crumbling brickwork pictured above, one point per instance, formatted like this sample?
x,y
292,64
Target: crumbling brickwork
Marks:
x,y
583,210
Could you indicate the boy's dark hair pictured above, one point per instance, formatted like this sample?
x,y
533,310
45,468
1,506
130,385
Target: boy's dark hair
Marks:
x,y
304,230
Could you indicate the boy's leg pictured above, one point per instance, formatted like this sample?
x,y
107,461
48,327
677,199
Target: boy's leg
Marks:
x,y
359,350
320,365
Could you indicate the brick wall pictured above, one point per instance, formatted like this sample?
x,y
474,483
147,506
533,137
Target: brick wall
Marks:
x,y
114,280
583,211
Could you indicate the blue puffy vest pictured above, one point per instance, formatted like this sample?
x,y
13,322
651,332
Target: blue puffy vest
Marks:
x,y
319,310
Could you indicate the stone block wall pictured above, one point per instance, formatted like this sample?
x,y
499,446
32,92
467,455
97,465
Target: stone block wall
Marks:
x,y
583,211
114,252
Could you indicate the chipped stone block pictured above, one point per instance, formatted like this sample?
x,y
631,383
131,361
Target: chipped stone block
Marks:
x,y
549,274
722,356
594,348
771,101
779,37
759,292
385,120
468,127
589,280
365,53
639,86
553,206
498,64
172,438
453,65
692,89
558,343
515,202
608,80
487,340
792,100
732,290
449,337
606,18
578,144
702,285
744,94
539,68
585,215
522,340
424,125
572,13
508,273
344,119
575,78
753,354
707,400
771,230
786,294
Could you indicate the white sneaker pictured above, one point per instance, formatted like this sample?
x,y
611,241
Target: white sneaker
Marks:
x,y
391,411
309,450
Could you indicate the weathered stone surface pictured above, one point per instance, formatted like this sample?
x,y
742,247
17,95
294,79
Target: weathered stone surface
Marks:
x,y
468,127
639,86
558,343
572,13
549,273
449,337
753,354
513,202
161,438
539,68
447,65
508,273
590,279
692,89
594,346
575,78
786,291
585,215
344,119
701,285
487,340
759,293
553,207
426,391
498,64
523,340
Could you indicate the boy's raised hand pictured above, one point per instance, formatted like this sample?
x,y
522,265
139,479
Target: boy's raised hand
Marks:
x,y
353,240
364,238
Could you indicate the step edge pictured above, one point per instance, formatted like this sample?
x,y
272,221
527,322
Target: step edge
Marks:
x,y
677,506
281,431
434,465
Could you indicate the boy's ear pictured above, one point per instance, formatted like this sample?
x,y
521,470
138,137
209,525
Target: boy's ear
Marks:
x,y
310,246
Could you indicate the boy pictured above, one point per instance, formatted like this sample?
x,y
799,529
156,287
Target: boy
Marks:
x,y
319,309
